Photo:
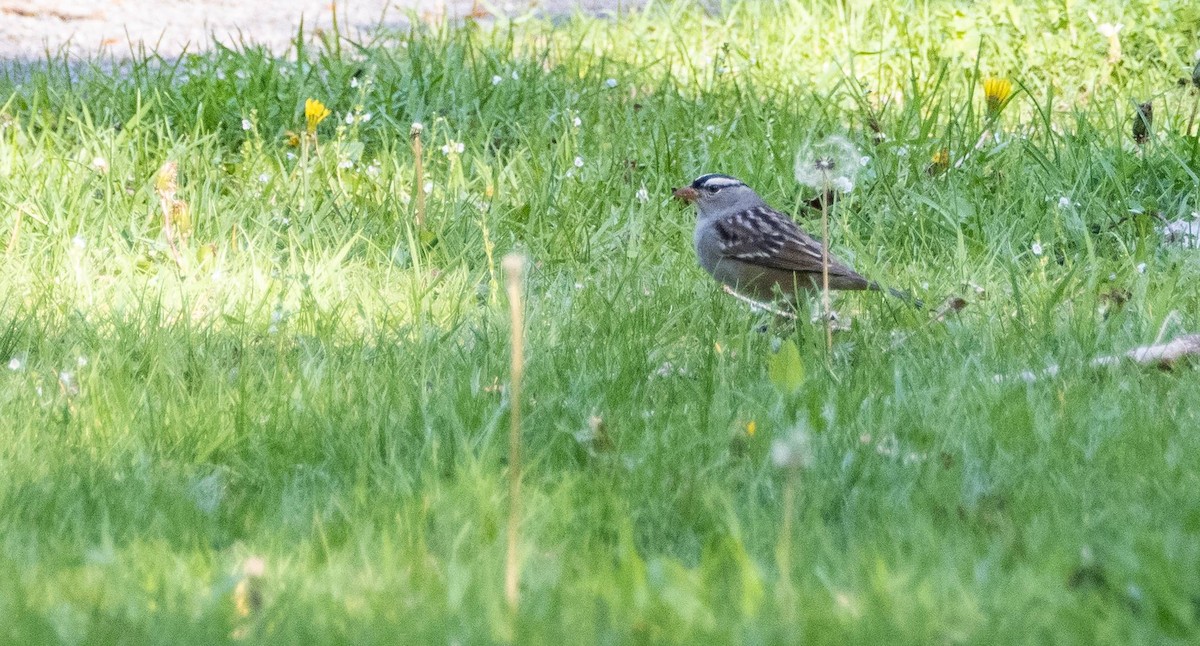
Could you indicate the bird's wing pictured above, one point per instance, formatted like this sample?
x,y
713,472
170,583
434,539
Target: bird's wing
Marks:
x,y
765,237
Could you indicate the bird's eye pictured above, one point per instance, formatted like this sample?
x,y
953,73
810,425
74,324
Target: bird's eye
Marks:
x,y
713,189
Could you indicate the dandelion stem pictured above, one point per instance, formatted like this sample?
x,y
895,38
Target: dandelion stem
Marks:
x,y
783,548
1192,118
419,173
514,269
825,306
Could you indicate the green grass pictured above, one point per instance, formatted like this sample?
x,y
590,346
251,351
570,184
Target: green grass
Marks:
x,y
317,383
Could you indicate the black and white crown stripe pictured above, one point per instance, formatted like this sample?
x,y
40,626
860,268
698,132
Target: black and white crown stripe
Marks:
x,y
714,181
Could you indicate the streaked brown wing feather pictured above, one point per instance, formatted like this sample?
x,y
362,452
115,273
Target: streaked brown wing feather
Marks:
x,y
765,237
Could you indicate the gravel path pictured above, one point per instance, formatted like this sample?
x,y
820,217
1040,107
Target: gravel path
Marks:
x,y
30,28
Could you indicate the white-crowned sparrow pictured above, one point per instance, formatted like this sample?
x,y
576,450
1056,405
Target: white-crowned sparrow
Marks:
x,y
755,249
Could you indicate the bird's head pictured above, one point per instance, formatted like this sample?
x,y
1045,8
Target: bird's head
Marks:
x,y
715,193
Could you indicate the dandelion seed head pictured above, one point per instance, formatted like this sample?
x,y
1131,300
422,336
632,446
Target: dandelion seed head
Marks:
x,y
1064,202
816,165
245,124
578,122
793,451
1036,248
579,162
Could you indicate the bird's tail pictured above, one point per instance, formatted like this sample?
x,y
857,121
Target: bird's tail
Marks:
x,y
904,296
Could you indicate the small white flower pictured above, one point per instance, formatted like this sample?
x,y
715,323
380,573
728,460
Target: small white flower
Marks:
x,y
220,74
245,124
290,156
428,187
579,162
349,118
242,74
66,378
460,147
496,80
514,75
611,83
578,122
364,117
79,241
15,364
345,163
446,149
373,169
722,70
864,160
264,177
100,164
643,195
81,361
1036,248
902,151
353,81
1141,268
1064,202
1109,30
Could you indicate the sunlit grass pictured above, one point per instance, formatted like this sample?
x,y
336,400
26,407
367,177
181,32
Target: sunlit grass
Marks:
x,y
297,372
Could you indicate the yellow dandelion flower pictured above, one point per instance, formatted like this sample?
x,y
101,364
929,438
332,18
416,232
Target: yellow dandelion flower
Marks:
x,y
996,92
751,428
939,163
314,113
291,139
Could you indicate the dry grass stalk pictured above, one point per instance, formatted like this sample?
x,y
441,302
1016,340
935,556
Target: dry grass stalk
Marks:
x,y
514,272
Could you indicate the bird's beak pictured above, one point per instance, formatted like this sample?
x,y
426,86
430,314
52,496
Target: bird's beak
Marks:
x,y
685,193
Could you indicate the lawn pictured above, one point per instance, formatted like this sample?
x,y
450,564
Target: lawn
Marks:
x,y
246,398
